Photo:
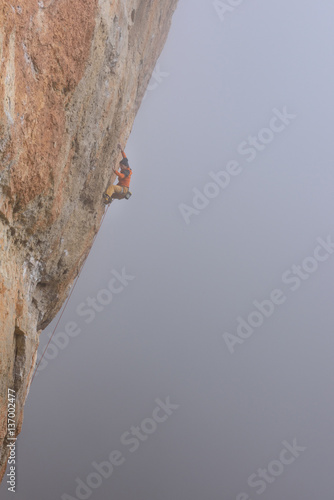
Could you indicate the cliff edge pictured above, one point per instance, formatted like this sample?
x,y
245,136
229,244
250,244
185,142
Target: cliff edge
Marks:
x,y
72,77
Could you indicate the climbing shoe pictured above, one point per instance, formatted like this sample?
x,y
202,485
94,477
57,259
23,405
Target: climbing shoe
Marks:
x,y
107,199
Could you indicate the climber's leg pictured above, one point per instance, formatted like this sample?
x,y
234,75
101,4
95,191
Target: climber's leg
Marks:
x,y
113,189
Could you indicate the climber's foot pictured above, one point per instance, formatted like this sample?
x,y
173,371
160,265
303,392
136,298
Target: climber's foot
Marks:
x,y
107,199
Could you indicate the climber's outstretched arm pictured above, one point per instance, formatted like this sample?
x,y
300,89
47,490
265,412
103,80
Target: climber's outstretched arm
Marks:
x,y
123,154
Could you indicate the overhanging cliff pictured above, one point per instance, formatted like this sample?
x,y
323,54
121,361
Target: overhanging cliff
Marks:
x,y
72,77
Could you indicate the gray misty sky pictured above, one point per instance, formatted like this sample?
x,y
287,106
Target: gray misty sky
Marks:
x,y
249,92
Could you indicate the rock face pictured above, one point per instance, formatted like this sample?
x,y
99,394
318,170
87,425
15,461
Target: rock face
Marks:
x,y
72,77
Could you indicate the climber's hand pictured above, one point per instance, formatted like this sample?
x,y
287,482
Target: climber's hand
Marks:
x,y
120,147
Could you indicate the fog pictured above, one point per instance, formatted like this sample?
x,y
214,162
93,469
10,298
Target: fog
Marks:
x,y
231,214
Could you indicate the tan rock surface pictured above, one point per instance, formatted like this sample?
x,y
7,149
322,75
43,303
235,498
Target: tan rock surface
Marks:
x,y
72,77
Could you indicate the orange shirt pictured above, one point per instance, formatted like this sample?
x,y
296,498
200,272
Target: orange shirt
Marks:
x,y
124,180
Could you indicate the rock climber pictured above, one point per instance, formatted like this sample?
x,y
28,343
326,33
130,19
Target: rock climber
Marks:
x,y
121,190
